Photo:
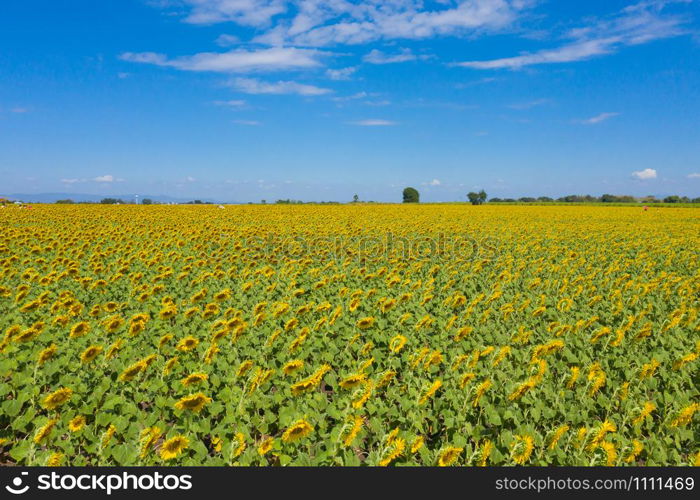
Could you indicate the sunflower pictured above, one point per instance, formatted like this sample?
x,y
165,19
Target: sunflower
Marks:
x,y
113,324
57,398
485,453
244,367
396,448
131,371
76,423
365,323
266,446
430,392
241,445
173,447
354,431
525,444
90,353
109,433
397,343
298,430
187,344
55,459
292,366
170,364
114,349
149,436
417,444
353,381
194,378
45,431
47,354
448,456
685,416
193,402
165,339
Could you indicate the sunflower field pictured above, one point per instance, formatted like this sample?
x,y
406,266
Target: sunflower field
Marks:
x,y
382,335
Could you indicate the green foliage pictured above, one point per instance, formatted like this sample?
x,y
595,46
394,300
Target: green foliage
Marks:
x,y
411,195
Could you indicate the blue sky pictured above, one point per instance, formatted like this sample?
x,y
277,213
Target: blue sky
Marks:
x,y
242,100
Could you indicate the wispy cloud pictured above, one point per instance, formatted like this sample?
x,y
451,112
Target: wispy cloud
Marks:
x,y
352,97
529,104
434,182
379,57
254,86
634,25
72,181
234,61
231,104
373,122
251,123
643,175
227,40
598,118
695,175
341,73
323,22
104,178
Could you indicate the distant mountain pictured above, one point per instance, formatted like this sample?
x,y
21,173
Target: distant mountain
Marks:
x,y
82,197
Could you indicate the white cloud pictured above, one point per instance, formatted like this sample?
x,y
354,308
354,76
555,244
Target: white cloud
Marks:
x,y
233,104
636,24
328,22
646,174
379,57
190,179
341,73
694,175
357,95
529,104
72,181
434,182
243,12
373,122
104,178
599,118
227,40
247,122
234,61
254,86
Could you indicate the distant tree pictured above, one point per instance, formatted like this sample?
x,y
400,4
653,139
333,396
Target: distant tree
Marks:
x,y
263,202
410,195
495,200
527,199
355,199
477,198
545,199
672,199
147,201
508,200
67,201
111,201
608,198
695,200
